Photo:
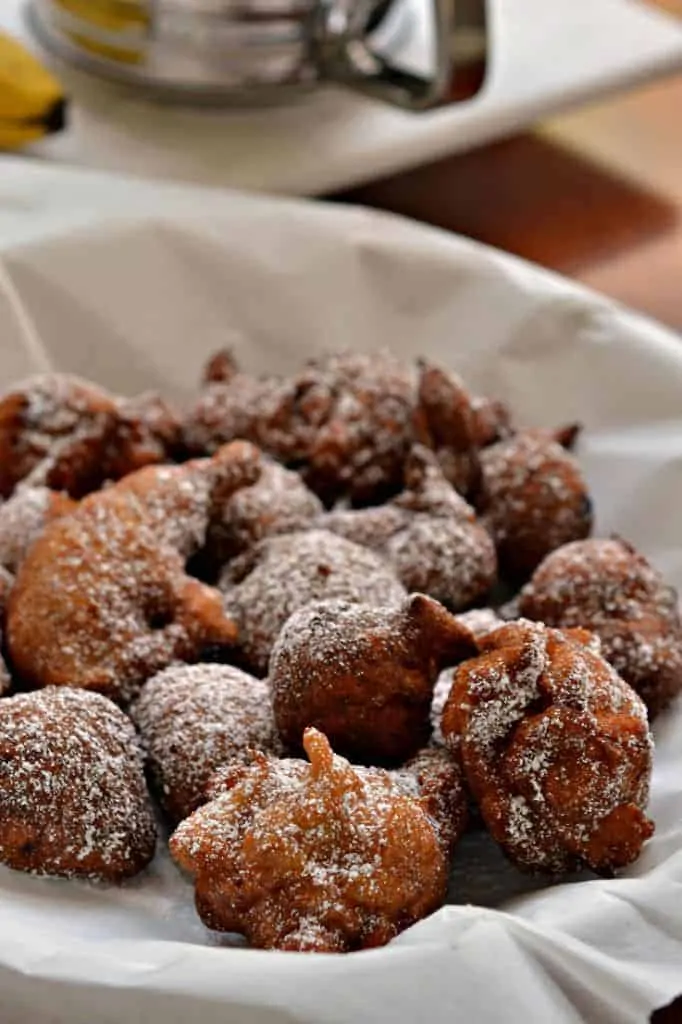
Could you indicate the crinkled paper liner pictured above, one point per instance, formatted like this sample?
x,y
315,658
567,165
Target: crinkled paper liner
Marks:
x,y
134,285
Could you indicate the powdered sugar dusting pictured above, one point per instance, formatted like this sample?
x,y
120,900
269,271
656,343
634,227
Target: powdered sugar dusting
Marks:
x,y
480,621
371,527
498,700
73,800
533,497
192,719
451,561
606,586
441,692
278,502
283,574
555,745
345,420
22,520
318,856
597,579
331,634
428,533
510,465
65,433
102,600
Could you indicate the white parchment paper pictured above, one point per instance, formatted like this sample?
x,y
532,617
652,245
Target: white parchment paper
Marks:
x,y
134,285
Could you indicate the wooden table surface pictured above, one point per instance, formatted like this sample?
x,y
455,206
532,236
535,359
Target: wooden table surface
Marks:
x,y
595,195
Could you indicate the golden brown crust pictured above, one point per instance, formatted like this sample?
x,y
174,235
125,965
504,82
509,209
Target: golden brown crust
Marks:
x,y
532,498
344,421
194,718
69,435
456,424
610,588
102,600
347,421
280,575
436,777
312,857
278,502
73,799
555,746
428,533
364,675
48,426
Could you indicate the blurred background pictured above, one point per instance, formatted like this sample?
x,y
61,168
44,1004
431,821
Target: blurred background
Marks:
x,y
552,130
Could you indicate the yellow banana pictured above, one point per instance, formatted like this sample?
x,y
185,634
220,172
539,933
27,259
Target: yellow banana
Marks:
x,y
32,102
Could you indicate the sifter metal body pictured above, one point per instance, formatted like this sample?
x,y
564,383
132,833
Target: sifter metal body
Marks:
x,y
237,51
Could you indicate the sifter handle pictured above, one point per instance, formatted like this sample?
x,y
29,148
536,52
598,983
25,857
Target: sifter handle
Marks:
x,y
354,50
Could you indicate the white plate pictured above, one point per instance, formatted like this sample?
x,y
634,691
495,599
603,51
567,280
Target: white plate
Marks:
x,y
547,55
133,285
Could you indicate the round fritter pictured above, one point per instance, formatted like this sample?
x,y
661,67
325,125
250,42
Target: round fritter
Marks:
x,y
194,718
102,600
69,435
282,574
73,799
241,405
344,421
555,747
312,857
452,561
609,588
428,533
364,675
533,499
